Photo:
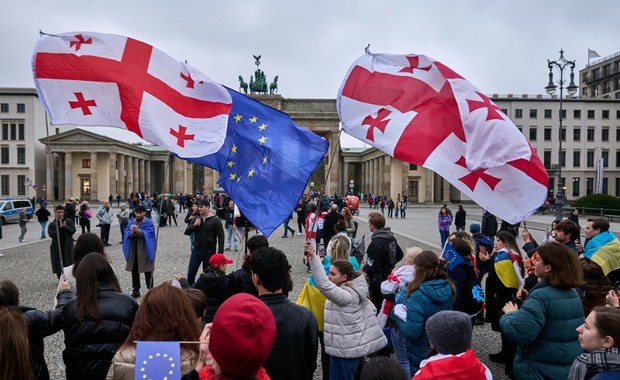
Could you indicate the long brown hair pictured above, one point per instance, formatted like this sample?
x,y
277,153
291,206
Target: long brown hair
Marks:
x,y
565,269
509,241
85,244
14,346
94,269
427,267
165,314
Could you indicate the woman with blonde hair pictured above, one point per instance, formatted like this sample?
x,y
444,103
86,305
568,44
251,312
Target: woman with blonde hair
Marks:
x,y
165,315
348,219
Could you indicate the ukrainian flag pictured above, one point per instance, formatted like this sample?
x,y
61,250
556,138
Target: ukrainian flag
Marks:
x,y
604,249
506,266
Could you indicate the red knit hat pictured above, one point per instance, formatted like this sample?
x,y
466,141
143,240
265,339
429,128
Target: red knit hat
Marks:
x,y
242,335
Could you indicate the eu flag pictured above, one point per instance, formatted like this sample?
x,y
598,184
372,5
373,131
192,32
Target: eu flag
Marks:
x,y
265,161
158,360
451,256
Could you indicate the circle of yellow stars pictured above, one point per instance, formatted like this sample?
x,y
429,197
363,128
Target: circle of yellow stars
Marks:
x,y
151,357
233,150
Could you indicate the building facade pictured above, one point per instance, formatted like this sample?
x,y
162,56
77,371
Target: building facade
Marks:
x,y
601,78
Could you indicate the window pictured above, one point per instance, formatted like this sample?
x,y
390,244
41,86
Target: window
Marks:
x,y
576,134
547,159
5,131
13,131
518,113
548,114
21,108
533,114
590,114
576,114
20,131
605,134
21,155
617,114
562,114
547,134
617,134
85,186
4,107
563,158
589,185
618,158
4,155
86,163
575,186
605,157
590,134
605,189
590,158
520,128
504,111
576,158
605,114
21,185
617,187
533,133
5,184
563,134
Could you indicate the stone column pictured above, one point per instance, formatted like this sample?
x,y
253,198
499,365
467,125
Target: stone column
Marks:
x,y
142,175
376,177
345,171
396,178
49,185
445,190
147,176
429,182
94,184
122,187
166,188
129,175
68,175
112,174
134,175
381,173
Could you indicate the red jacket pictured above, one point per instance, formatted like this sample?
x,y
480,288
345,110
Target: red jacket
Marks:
x,y
465,366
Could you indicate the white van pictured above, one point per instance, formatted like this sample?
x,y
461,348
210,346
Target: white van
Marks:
x,y
11,207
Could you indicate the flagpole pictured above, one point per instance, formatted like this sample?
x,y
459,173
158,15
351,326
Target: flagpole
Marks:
x,y
161,204
50,165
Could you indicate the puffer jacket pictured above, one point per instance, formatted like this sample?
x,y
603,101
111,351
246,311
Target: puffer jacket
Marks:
x,y
215,285
124,364
544,331
431,297
90,346
41,324
345,324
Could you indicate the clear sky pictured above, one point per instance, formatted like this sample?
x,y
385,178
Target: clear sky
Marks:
x,y
500,46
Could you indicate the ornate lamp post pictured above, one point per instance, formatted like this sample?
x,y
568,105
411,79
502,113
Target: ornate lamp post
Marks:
x,y
560,64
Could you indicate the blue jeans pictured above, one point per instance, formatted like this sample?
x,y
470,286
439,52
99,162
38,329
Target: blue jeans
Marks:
x,y
343,368
197,258
123,228
400,350
231,236
443,235
43,224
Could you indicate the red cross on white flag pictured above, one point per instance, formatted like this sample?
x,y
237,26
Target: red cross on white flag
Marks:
x,y
94,79
420,111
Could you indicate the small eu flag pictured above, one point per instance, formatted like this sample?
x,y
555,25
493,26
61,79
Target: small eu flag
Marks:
x,y
158,361
451,256
265,162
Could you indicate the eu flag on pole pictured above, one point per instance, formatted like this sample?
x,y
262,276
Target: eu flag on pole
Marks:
x,y
451,256
158,360
265,161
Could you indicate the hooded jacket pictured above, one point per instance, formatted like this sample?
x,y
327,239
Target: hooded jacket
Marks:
x,y
345,324
431,297
383,254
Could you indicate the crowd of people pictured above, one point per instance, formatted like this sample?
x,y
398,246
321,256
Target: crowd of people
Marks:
x,y
553,303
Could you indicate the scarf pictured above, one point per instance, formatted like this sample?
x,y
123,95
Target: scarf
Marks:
x,y
601,360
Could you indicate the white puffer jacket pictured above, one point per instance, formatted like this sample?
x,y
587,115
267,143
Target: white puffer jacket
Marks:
x,y
351,329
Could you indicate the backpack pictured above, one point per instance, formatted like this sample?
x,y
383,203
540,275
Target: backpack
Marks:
x,y
358,249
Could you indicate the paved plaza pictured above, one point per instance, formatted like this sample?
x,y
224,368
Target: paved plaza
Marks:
x,y
28,264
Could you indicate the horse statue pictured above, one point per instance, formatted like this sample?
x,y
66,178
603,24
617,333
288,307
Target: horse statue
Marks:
x,y
259,85
273,87
243,85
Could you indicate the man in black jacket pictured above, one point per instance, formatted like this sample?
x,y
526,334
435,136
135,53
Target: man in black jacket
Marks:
x,y
208,239
294,352
383,254
330,221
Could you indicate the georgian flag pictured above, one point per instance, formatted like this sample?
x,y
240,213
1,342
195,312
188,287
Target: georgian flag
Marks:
x,y
94,79
420,111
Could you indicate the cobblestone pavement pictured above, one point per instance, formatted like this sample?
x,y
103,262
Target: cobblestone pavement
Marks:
x,y
28,265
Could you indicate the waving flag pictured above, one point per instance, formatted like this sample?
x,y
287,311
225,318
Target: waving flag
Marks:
x,y
420,111
451,256
265,161
94,79
508,267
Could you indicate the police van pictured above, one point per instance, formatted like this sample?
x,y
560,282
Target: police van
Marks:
x,y
11,207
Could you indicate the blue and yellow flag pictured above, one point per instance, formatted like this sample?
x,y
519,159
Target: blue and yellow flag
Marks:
x,y
158,360
504,265
265,162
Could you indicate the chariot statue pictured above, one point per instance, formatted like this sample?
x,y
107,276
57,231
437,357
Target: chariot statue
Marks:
x,y
258,82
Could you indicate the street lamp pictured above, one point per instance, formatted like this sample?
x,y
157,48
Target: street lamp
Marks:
x,y
560,64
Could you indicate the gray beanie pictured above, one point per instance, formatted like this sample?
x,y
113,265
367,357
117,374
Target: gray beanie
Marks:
x,y
449,332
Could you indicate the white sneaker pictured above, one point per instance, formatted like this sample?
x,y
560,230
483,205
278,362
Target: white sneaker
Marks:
x,y
299,234
1,254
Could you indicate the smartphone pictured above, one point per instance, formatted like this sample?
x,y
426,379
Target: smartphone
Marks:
x,y
617,288
524,224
